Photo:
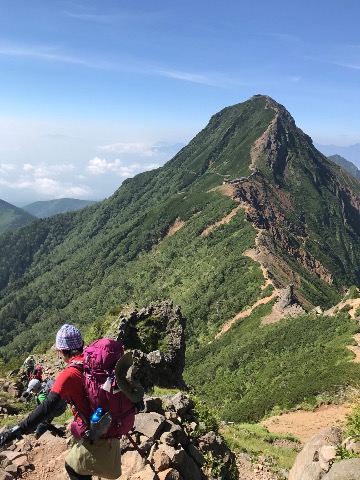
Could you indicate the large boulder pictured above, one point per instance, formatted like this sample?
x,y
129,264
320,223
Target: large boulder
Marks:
x,y
313,462
156,335
348,469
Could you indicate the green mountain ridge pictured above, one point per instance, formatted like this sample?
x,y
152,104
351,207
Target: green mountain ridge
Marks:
x,y
48,208
12,217
249,180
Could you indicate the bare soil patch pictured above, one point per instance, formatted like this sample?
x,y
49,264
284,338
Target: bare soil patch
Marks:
x,y
227,189
48,458
356,348
303,424
175,227
244,314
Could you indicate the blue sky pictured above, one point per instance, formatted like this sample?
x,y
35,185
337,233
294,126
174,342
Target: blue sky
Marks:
x,y
92,92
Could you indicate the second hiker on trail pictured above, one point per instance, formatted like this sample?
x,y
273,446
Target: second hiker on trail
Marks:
x,y
27,367
89,379
40,392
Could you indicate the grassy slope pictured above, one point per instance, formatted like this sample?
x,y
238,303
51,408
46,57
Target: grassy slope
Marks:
x,y
251,369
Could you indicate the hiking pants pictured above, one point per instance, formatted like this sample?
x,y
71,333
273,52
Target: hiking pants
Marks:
x,y
76,476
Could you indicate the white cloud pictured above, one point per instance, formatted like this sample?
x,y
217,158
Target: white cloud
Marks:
x,y
47,187
193,77
53,53
42,170
353,66
6,168
286,37
99,166
130,148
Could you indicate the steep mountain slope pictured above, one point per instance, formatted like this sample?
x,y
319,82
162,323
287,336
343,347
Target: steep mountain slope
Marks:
x,y
12,217
180,232
307,207
49,208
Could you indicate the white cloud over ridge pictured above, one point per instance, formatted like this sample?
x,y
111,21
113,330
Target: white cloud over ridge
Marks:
x,y
42,170
99,166
130,148
84,175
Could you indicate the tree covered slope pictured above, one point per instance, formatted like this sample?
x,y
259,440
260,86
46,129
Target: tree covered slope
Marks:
x,y
48,208
12,217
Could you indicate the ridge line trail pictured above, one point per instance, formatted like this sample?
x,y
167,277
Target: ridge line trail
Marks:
x,y
244,313
252,253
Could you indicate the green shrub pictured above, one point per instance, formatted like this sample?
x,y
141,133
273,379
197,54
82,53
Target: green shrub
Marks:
x,y
251,369
353,292
353,424
205,414
256,441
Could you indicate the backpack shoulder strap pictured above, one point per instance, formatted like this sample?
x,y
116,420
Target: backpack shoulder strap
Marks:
x,y
76,364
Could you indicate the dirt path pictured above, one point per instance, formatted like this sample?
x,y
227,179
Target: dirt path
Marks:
x,y
175,227
244,314
222,221
303,424
356,348
254,255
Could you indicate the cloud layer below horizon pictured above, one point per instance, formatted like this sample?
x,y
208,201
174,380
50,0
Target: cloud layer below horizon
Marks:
x,y
94,179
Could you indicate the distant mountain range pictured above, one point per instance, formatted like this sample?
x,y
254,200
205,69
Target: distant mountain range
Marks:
x,y
43,209
12,217
351,152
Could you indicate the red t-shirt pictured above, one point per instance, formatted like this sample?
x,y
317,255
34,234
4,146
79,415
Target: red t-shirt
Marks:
x,y
69,385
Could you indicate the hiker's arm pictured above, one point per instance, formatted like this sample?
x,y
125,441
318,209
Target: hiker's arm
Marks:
x,y
40,413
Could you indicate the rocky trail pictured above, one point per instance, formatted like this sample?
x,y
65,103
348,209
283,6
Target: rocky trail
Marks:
x,y
43,459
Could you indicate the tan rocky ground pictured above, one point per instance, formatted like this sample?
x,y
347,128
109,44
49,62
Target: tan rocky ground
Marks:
x,y
304,424
48,453
47,456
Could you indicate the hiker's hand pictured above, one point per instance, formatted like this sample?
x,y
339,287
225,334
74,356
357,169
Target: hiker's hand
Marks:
x,y
6,437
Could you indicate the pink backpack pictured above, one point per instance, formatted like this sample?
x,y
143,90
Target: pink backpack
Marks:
x,y
100,385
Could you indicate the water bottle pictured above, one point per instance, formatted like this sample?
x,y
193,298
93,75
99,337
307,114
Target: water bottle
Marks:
x,y
95,417
99,424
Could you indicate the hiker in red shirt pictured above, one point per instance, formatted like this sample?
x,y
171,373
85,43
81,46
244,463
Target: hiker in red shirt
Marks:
x,y
85,459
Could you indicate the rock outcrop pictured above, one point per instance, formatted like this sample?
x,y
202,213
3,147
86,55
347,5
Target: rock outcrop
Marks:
x,y
156,335
320,459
